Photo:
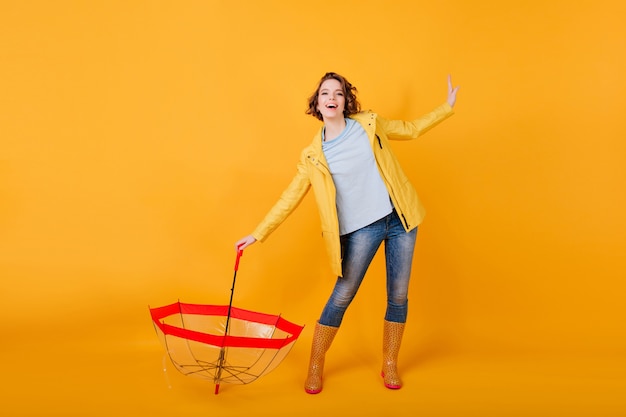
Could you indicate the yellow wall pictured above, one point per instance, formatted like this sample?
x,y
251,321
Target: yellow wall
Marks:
x,y
140,139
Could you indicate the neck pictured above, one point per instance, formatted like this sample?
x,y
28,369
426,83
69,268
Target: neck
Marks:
x,y
333,128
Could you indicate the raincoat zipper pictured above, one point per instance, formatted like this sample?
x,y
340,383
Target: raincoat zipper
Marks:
x,y
319,164
406,223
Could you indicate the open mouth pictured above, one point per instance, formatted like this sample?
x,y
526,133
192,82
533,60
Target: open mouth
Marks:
x,y
331,106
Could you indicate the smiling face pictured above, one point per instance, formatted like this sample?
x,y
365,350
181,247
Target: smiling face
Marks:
x,y
331,99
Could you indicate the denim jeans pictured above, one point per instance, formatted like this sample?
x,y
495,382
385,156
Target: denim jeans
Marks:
x,y
358,249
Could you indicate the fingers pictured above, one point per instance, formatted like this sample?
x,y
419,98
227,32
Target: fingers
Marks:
x,y
450,87
241,244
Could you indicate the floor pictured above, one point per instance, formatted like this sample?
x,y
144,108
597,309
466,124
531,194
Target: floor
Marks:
x,y
99,375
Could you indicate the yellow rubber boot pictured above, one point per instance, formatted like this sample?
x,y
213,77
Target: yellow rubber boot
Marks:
x,y
322,339
392,338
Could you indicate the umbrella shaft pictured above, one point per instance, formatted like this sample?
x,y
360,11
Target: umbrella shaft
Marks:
x,y
220,364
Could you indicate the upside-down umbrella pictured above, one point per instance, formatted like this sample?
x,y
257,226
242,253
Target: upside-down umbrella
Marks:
x,y
223,343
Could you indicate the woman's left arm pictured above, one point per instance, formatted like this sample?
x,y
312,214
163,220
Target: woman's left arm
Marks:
x,y
403,130
451,92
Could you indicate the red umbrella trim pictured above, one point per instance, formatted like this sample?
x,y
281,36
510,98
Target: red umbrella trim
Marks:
x,y
159,313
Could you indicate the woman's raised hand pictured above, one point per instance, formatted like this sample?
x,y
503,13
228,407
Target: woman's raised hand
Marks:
x,y
451,92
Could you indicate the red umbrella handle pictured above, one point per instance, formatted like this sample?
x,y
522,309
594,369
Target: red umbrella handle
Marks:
x,y
239,255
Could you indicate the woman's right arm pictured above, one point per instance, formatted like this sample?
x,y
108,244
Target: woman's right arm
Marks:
x,y
286,204
243,243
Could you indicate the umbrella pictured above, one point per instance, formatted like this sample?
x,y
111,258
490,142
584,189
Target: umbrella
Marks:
x,y
223,343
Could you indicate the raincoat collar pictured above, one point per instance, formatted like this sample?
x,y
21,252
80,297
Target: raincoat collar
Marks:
x,y
366,119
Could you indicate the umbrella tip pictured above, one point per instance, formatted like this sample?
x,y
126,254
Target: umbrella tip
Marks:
x,y
217,388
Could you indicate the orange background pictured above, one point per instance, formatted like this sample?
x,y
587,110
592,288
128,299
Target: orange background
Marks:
x,y
140,139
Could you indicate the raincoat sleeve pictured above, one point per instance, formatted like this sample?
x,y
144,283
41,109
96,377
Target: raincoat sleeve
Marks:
x,y
286,204
401,130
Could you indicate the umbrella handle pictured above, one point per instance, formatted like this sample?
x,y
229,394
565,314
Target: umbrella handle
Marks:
x,y
239,255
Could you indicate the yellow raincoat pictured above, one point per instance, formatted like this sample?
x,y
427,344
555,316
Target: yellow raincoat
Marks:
x,y
312,171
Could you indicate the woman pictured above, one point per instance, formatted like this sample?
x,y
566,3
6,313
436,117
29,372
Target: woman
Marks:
x,y
364,198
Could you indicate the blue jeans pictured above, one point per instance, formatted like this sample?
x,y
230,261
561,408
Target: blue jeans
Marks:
x,y
358,249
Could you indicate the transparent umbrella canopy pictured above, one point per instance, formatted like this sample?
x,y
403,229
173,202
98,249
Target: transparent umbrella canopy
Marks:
x,y
223,343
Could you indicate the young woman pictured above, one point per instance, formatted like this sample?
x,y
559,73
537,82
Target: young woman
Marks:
x,y
364,198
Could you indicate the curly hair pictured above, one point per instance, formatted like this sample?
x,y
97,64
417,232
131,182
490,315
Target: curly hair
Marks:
x,y
352,105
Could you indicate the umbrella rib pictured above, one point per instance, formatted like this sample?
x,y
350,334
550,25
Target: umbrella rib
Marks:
x,y
268,363
233,375
262,354
191,353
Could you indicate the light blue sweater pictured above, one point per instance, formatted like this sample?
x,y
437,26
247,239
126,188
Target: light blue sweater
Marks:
x,y
362,197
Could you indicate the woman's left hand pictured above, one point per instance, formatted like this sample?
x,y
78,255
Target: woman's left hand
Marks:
x,y
451,92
